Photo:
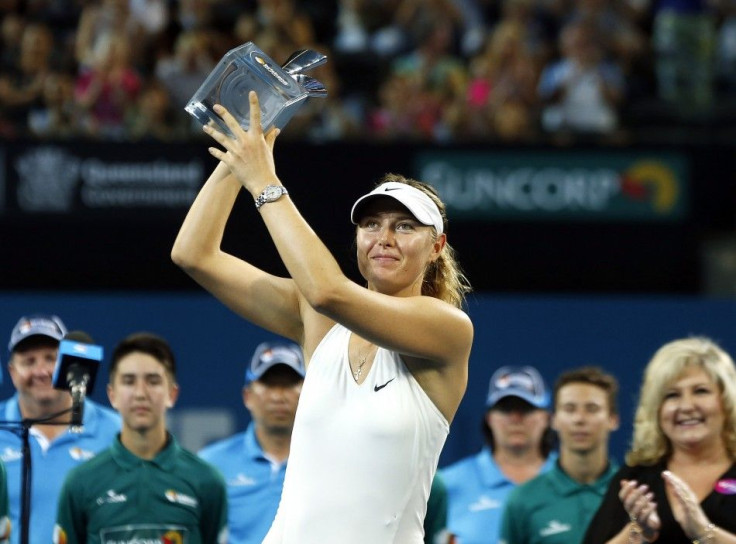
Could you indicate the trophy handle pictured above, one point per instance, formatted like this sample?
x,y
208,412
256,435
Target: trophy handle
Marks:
x,y
305,59
311,85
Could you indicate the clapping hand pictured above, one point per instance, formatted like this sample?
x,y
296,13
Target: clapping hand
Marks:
x,y
687,510
639,504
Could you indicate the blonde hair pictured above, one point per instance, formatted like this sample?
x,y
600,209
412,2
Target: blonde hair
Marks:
x,y
650,444
443,278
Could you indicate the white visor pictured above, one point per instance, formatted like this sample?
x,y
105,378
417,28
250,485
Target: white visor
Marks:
x,y
417,202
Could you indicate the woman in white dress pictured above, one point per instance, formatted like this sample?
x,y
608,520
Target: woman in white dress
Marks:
x,y
387,362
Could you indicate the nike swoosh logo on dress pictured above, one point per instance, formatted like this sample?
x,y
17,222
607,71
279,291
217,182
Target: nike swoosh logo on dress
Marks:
x,y
379,387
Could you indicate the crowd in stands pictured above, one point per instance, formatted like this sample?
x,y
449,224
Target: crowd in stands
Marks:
x,y
398,70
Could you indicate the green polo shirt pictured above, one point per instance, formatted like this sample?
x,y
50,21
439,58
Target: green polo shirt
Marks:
x,y
117,497
552,508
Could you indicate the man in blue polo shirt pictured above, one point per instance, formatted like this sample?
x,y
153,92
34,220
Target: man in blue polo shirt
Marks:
x,y
254,462
518,447
33,347
557,506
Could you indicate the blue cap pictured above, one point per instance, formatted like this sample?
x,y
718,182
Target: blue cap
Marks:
x,y
523,382
268,355
36,325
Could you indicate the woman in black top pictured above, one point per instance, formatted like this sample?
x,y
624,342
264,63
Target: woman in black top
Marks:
x,y
679,485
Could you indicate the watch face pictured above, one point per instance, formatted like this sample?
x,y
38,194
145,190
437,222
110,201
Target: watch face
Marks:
x,y
272,192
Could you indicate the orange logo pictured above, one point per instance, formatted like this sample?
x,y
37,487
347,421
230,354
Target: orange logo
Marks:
x,y
651,180
172,537
59,535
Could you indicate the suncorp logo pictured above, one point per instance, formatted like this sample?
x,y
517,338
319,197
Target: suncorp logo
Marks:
x,y
652,181
477,186
271,70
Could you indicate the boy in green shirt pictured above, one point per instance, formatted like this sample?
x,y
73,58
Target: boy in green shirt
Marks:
x,y
145,488
557,506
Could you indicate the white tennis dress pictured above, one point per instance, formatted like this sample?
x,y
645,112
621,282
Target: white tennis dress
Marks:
x,y
362,456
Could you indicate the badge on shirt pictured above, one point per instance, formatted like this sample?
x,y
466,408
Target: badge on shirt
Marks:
x,y
726,487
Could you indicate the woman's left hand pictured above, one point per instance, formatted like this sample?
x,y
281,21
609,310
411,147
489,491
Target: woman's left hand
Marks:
x,y
687,510
248,153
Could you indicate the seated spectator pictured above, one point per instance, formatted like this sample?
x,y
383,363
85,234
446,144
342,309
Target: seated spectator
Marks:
x,y
21,88
684,39
108,88
438,75
100,18
582,91
501,98
11,33
617,34
405,110
153,118
291,23
184,71
334,117
55,118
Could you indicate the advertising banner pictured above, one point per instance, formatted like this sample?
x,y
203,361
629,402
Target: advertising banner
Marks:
x,y
606,185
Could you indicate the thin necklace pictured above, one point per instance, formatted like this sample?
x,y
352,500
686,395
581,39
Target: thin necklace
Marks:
x,y
358,372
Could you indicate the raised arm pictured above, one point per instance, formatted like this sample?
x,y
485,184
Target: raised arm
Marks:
x,y
264,299
416,326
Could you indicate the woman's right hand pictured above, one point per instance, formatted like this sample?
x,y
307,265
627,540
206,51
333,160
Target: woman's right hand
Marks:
x,y
638,501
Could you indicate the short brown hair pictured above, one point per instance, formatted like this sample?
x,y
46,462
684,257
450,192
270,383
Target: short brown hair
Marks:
x,y
591,375
148,343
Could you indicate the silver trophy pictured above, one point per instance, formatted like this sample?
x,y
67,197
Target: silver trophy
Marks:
x,y
281,90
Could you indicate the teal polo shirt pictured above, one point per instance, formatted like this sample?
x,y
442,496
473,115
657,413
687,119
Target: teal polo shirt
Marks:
x,y
117,497
552,508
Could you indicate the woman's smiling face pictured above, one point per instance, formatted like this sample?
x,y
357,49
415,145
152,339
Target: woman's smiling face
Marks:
x,y
692,413
393,248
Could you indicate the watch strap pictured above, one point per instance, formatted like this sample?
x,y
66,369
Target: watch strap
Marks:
x,y
264,197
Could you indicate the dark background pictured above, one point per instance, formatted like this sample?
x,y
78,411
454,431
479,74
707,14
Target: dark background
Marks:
x,y
129,249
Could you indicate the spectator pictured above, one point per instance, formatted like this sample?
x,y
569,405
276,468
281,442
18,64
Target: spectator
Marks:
x,y
11,35
501,98
33,346
438,76
152,117
254,462
684,39
144,487
184,72
582,91
56,117
333,118
98,20
678,483
288,21
556,507
518,447
106,90
619,37
21,88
